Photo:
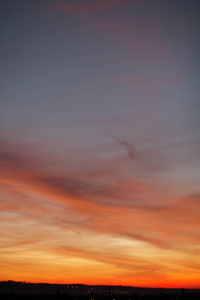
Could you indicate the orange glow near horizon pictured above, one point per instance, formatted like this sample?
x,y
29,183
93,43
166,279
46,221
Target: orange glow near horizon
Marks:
x,y
91,241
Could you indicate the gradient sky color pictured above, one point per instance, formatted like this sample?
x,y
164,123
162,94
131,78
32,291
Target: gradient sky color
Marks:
x,y
100,142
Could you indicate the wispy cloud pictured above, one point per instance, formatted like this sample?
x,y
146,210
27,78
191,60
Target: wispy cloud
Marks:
x,y
153,88
98,202
63,213
82,7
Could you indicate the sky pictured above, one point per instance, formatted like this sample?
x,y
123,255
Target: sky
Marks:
x,y
100,142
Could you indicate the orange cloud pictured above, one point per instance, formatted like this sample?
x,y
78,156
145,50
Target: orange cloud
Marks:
x,y
129,228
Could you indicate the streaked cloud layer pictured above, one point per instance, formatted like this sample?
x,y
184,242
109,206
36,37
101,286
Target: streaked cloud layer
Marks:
x,y
99,143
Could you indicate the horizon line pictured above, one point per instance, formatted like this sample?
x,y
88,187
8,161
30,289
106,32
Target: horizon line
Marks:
x,y
85,284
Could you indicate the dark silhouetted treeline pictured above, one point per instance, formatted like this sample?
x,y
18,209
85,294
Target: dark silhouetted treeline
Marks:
x,y
11,290
63,296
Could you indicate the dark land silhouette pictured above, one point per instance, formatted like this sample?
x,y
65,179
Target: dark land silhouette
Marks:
x,y
23,291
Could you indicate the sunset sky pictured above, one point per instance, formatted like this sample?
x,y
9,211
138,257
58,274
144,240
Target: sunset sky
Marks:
x,y
100,142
